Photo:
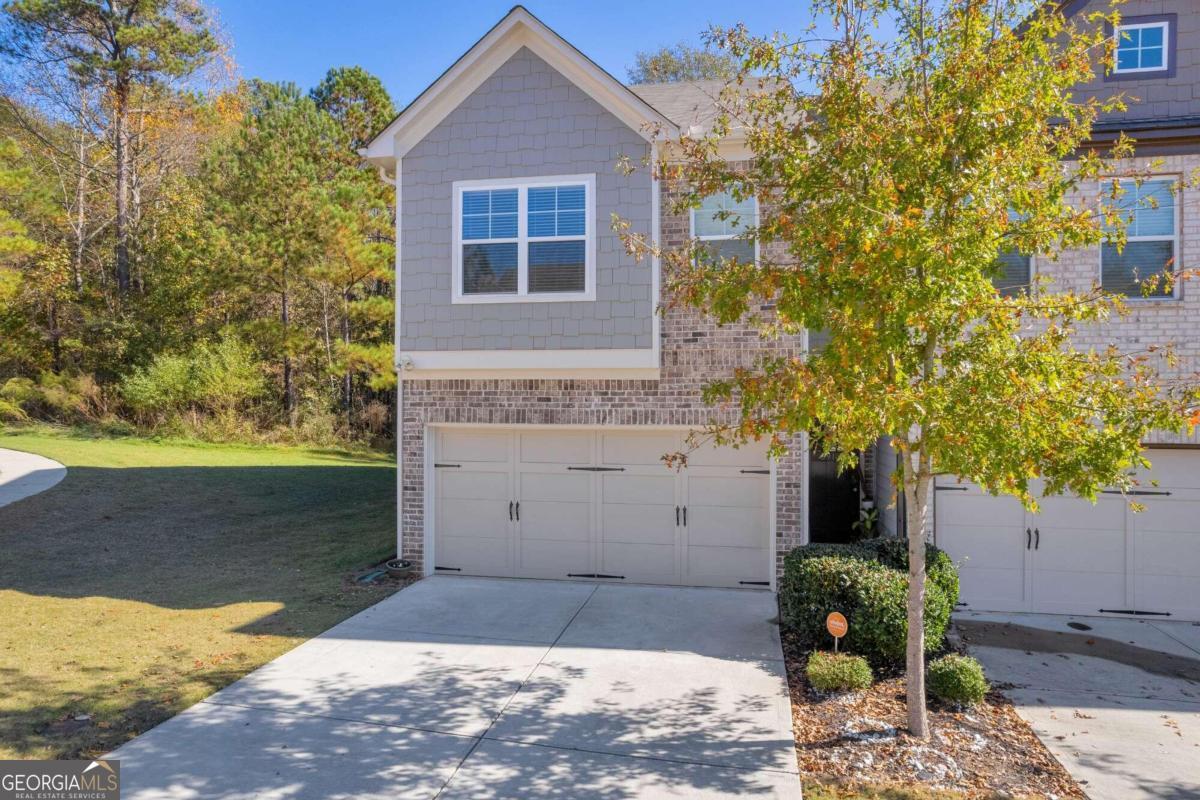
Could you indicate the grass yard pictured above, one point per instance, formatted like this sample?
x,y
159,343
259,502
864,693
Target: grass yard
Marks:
x,y
156,573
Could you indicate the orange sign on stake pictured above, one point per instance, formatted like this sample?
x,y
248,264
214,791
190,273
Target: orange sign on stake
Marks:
x,y
837,626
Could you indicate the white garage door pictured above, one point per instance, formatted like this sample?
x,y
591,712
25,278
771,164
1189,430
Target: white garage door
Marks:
x,y
544,503
1073,557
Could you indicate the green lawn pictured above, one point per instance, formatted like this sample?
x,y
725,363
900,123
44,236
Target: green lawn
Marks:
x,y
156,573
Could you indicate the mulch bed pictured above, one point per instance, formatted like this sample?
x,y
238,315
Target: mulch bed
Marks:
x,y
986,751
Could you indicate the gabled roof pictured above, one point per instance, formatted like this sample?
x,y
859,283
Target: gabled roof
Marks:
x,y
517,29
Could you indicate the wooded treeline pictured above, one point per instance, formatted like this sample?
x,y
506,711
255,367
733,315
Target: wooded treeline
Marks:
x,y
182,251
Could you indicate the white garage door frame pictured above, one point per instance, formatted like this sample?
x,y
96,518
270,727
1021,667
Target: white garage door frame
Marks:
x,y
429,498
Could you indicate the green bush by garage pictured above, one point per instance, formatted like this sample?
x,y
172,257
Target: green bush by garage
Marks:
x,y
868,582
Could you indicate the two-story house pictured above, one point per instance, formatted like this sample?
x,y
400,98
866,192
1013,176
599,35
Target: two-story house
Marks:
x,y
540,388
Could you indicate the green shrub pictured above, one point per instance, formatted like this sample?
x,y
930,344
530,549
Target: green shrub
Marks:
x,y
838,672
957,679
868,582
211,378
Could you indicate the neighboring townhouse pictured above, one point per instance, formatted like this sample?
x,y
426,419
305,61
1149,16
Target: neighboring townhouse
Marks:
x,y
1072,556
540,388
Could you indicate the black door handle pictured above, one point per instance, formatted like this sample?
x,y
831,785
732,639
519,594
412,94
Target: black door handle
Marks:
x,y
510,510
518,511
685,516
676,515
1037,538
1028,538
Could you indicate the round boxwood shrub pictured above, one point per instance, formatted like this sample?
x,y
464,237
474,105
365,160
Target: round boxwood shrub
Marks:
x,y
957,679
868,582
838,672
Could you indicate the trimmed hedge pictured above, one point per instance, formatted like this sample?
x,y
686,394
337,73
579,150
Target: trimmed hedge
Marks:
x,y
868,582
957,679
838,672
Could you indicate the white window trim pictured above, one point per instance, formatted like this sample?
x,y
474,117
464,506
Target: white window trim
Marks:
x,y
1174,180
726,236
522,295
1166,46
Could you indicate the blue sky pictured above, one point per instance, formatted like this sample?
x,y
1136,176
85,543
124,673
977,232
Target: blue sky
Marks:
x,y
408,44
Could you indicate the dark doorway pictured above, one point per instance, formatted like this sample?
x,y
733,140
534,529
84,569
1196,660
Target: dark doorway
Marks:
x,y
833,500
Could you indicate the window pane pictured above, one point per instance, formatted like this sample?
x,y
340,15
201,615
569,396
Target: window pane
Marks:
x,y
557,211
1127,59
571,223
1122,273
542,199
504,226
475,227
476,202
706,221
541,224
1152,37
1155,213
724,249
818,338
489,268
1152,58
504,201
556,266
1012,273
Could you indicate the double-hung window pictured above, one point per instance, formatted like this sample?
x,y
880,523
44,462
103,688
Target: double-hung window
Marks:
x,y
1152,241
720,223
1143,47
524,240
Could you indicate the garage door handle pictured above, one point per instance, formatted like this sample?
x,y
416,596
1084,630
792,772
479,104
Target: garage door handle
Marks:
x,y
518,511
685,516
1037,538
1028,538
676,515
510,504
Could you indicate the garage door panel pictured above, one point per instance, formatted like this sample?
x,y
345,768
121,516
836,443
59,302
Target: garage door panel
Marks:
x,y
992,546
639,562
752,455
1066,513
631,448
725,566
568,522
474,555
557,486
992,589
737,527
473,444
635,523
1159,553
473,485
1073,550
961,508
486,519
746,492
1169,514
1074,592
621,488
1178,595
546,558
555,447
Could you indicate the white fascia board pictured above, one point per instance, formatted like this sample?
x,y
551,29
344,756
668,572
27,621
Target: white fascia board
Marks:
x,y
518,29
615,364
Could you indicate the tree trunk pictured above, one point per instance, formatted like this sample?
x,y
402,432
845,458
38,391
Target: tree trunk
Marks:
x,y
289,396
347,379
122,159
916,491
80,215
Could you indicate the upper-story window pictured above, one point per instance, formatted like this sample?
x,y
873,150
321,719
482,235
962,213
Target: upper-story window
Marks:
x,y
721,221
1014,273
1144,47
524,240
1152,239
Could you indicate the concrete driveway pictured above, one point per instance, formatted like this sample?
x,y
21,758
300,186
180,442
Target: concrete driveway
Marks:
x,y
1117,701
23,474
482,688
